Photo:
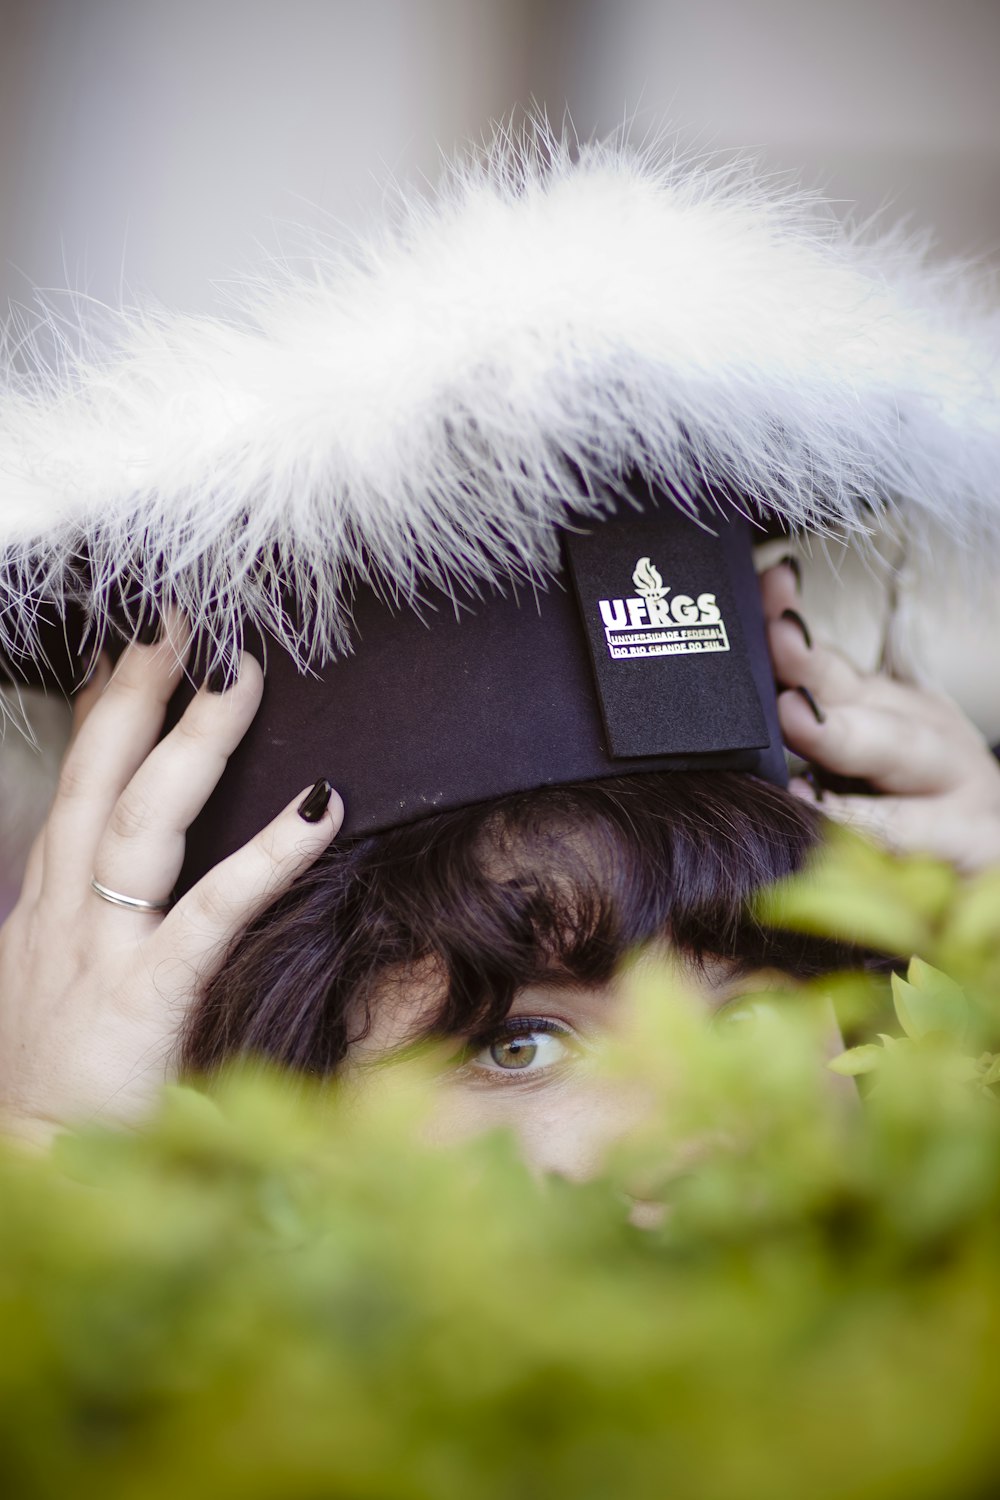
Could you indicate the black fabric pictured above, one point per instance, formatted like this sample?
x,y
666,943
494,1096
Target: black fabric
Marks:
x,y
666,644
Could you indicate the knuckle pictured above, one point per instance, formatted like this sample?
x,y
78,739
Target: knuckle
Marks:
x,y
933,700
127,682
197,733
271,859
278,859
131,815
212,907
842,736
75,781
191,729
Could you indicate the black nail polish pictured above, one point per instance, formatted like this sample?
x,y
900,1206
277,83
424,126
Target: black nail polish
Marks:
x,y
218,679
818,713
811,776
796,619
315,803
148,632
791,561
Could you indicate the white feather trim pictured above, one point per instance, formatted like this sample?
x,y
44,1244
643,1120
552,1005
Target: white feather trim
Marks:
x,y
424,409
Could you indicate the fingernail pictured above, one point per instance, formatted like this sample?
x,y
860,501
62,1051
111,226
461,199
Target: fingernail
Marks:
x,y
811,776
796,619
219,678
791,561
818,713
149,631
315,803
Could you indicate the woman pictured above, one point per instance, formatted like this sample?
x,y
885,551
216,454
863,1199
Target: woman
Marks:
x,y
469,405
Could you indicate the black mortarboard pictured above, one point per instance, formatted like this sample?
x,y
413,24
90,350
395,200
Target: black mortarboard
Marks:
x,y
647,653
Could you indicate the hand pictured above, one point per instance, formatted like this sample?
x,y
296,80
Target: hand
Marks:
x,y
93,995
935,785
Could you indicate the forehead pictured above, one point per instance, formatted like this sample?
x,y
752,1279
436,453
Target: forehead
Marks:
x,y
399,1009
405,1004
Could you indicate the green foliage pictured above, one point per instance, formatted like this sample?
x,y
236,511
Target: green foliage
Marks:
x,y
279,1291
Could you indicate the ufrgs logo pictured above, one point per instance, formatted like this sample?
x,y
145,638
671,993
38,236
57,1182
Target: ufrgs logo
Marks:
x,y
648,624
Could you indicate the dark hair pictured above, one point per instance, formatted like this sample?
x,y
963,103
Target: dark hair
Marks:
x,y
553,885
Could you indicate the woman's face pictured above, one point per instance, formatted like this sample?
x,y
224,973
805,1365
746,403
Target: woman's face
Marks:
x,y
531,1073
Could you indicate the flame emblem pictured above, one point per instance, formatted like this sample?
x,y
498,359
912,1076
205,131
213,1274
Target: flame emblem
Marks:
x,y
647,580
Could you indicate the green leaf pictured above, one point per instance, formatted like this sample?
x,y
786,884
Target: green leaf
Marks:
x,y
968,946
974,923
992,1074
928,1000
858,893
857,1060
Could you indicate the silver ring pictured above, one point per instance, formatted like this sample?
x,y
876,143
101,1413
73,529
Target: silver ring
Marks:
x,y
134,903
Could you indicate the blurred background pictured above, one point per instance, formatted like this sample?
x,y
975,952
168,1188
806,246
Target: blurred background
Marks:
x,y
154,147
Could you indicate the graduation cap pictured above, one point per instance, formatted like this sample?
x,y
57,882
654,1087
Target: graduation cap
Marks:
x,y
482,494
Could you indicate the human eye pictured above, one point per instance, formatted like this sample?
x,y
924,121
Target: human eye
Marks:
x,y
520,1049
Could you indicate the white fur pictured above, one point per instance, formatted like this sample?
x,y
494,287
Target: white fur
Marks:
x,y
421,409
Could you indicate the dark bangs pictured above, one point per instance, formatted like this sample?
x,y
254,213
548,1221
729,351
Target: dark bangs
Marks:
x,y
555,885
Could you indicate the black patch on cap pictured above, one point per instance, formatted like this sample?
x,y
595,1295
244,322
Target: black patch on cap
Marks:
x,y
670,660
